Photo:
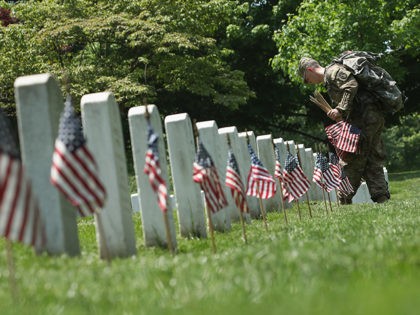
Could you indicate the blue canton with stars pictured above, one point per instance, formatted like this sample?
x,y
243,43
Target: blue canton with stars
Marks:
x,y
291,163
254,158
333,158
152,140
70,129
202,157
232,162
321,162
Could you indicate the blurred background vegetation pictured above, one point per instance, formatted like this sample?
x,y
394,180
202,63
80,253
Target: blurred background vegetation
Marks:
x,y
232,61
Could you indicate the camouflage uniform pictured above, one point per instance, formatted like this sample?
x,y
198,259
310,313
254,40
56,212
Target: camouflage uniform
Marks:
x,y
361,109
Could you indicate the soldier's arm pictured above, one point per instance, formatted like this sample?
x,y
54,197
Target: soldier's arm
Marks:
x,y
347,83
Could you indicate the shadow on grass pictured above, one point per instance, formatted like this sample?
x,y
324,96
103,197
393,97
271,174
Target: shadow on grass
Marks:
x,y
400,176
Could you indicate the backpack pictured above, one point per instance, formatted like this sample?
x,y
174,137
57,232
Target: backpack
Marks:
x,y
374,78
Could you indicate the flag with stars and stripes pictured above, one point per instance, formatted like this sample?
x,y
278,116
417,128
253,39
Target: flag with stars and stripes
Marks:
x,y
344,137
234,182
323,174
278,172
295,182
260,182
345,186
74,171
334,164
20,217
153,171
205,174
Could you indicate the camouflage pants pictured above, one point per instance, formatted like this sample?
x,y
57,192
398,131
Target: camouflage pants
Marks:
x,y
369,163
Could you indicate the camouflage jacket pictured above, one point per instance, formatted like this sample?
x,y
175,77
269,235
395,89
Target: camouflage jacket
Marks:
x,y
344,90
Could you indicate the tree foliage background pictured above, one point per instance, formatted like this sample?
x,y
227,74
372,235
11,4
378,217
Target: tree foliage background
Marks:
x,y
233,61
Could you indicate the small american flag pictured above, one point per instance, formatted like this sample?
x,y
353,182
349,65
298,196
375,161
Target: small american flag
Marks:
x,y
344,136
334,164
323,174
153,171
234,182
278,172
296,184
205,174
20,217
260,183
74,171
345,186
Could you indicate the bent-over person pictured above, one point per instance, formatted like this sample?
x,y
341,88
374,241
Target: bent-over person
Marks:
x,y
353,103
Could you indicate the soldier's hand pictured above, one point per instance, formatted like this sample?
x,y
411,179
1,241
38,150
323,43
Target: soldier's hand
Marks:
x,y
334,114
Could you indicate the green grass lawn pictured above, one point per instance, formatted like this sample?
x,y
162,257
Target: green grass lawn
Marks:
x,y
360,259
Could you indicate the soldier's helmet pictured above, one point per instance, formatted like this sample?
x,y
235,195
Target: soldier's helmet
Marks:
x,y
304,63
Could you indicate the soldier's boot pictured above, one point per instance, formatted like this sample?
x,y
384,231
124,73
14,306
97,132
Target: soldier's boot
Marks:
x,y
381,198
345,201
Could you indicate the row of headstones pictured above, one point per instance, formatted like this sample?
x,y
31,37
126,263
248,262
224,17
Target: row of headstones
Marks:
x,y
39,105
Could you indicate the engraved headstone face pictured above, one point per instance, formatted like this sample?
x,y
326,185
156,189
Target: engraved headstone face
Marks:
x,y
181,147
39,105
103,131
152,217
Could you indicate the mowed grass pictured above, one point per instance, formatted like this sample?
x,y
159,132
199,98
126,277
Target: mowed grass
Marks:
x,y
359,259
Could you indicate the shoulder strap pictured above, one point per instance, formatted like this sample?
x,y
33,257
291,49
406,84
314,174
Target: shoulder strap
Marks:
x,y
369,56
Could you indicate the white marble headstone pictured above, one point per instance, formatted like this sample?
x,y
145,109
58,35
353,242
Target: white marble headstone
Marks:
x,y
103,130
152,217
39,105
181,147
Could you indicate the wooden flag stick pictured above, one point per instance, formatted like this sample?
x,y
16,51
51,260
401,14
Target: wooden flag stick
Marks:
x,y
336,196
165,214
168,232
309,206
263,212
281,196
322,100
283,207
209,214
243,226
329,201
306,193
315,101
322,182
213,241
11,267
240,211
300,215
323,195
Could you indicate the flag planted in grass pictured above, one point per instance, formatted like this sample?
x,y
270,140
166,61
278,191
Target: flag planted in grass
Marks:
x,y
295,182
234,182
278,171
20,217
153,171
205,174
335,165
345,186
324,176
260,182
74,171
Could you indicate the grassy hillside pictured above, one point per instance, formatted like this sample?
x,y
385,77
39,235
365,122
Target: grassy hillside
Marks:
x,y
360,259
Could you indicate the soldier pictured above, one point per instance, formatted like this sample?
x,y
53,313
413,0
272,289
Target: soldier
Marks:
x,y
357,106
